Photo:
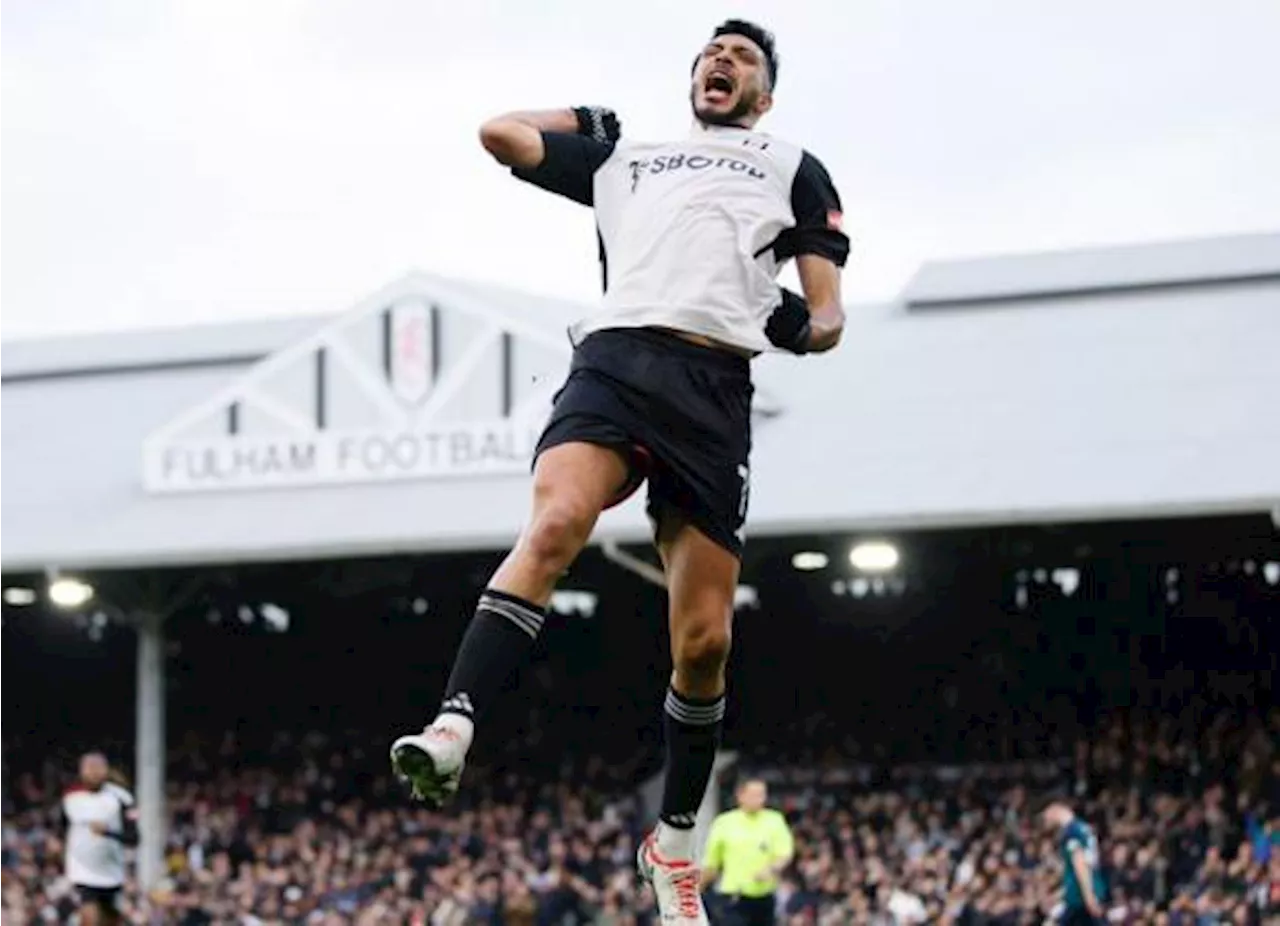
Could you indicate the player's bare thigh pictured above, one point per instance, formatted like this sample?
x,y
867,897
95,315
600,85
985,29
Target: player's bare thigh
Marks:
x,y
588,474
572,483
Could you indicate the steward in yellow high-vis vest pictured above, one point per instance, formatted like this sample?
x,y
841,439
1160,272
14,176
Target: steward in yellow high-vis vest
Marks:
x,y
747,850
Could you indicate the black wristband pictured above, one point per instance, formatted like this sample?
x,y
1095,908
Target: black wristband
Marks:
x,y
598,124
789,325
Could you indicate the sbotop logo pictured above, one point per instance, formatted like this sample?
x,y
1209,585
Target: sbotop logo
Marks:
x,y
665,163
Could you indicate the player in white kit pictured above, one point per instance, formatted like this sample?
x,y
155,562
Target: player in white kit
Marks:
x,y
101,820
692,235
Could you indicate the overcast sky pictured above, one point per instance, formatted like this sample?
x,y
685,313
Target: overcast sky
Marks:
x,y
179,161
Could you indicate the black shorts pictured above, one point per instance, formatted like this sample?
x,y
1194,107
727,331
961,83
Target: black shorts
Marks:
x,y
680,414
107,898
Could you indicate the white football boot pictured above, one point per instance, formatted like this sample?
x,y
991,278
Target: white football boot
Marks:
x,y
430,763
676,885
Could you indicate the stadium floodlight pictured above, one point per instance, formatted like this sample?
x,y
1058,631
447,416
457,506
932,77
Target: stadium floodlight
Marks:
x,y
809,560
1067,579
574,603
874,556
69,593
18,596
274,617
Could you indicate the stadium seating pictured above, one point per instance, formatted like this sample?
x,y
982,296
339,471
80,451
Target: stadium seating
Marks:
x,y
310,830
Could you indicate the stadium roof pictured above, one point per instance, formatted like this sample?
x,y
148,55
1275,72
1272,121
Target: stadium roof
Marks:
x,y
1240,258
1094,384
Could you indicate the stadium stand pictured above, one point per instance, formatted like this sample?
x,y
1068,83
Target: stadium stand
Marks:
x,y
909,738
309,829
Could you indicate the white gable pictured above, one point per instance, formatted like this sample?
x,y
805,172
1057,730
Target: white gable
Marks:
x,y
422,379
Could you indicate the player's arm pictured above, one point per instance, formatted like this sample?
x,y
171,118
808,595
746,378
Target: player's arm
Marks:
x,y
820,281
786,846
1084,877
558,150
515,139
812,322
128,832
713,857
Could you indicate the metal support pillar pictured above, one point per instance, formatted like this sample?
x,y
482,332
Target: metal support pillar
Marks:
x,y
150,758
614,553
710,807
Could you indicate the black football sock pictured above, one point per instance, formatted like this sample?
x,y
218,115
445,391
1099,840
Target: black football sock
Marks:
x,y
693,735
499,639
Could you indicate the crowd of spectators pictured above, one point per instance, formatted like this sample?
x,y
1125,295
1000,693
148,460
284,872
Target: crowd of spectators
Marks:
x,y
1189,827
311,830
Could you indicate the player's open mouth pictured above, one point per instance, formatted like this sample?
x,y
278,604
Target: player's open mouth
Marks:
x,y
718,88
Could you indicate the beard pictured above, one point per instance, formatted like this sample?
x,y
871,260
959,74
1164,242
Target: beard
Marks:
x,y
733,117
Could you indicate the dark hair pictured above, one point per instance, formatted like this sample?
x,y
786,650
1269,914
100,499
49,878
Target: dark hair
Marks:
x,y
758,34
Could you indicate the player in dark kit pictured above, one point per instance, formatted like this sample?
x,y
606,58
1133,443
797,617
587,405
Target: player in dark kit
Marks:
x,y
692,235
1083,889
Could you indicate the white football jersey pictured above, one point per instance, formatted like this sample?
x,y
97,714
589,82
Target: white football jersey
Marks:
x,y
694,232
93,860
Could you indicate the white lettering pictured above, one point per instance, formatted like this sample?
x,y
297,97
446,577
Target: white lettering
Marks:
x,y
302,457
499,447
346,450
374,456
406,450
459,448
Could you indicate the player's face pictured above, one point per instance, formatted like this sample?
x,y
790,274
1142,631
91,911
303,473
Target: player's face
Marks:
x,y
752,796
93,770
730,82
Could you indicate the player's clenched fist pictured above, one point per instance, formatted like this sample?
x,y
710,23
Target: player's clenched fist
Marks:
x,y
598,123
